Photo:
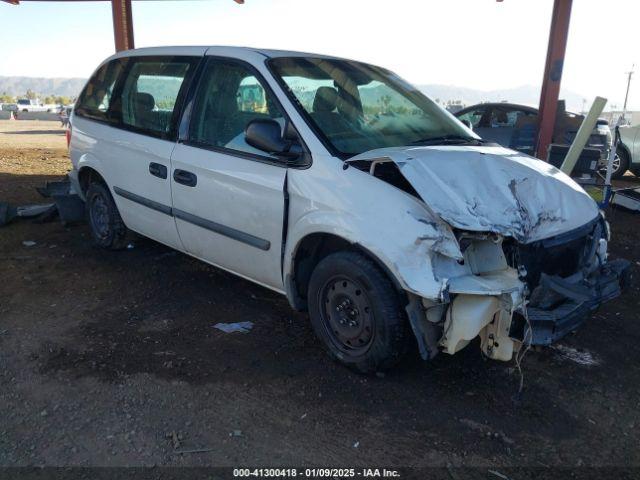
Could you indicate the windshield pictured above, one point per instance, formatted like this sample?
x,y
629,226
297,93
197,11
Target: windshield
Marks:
x,y
357,107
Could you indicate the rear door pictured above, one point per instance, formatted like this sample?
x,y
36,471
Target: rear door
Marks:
x,y
147,105
228,197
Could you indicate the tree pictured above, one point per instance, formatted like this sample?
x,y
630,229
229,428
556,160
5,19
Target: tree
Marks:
x,y
31,95
6,98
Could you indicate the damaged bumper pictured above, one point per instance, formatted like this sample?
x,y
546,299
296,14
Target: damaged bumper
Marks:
x,y
518,294
577,300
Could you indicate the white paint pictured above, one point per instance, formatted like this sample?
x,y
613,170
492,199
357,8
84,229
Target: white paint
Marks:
x,y
493,189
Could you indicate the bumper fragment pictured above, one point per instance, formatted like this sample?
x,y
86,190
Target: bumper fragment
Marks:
x,y
550,325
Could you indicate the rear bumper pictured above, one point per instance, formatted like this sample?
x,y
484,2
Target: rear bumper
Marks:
x,y
550,325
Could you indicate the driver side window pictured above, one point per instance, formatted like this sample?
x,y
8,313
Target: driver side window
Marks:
x,y
228,98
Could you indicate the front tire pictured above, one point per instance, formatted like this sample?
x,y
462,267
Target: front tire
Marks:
x,y
357,312
107,228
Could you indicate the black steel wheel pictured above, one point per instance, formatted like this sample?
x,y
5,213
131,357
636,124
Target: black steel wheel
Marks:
x,y
357,312
347,314
107,228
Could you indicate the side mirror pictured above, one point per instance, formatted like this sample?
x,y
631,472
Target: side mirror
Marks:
x,y
467,124
266,135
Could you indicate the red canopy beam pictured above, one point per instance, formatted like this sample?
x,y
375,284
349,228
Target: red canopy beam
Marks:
x,y
122,24
556,49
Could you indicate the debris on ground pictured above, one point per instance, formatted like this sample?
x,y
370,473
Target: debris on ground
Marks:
x,y
66,204
194,450
28,243
498,474
175,438
28,211
580,357
241,327
236,433
628,198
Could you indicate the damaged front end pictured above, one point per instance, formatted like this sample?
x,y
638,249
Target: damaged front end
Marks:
x,y
518,293
568,276
531,258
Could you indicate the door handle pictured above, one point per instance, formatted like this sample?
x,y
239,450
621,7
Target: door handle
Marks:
x,y
158,170
185,178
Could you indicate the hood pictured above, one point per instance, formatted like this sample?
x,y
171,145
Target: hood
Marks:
x,y
492,189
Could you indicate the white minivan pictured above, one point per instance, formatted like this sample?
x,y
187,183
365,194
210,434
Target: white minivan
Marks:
x,y
343,187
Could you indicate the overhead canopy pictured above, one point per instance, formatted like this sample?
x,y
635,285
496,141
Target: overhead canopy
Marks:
x,y
558,34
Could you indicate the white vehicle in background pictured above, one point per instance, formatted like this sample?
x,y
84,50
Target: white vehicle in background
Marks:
x,y
344,188
34,105
628,151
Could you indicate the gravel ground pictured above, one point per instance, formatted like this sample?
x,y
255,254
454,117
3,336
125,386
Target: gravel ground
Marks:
x,y
111,359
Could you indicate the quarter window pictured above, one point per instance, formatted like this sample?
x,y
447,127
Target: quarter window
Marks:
x,y
473,117
150,94
507,118
95,99
228,98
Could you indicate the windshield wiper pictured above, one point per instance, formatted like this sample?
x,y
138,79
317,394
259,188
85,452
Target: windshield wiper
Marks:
x,y
448,140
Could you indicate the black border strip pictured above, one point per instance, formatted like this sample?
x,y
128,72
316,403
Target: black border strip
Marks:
x,y
224,230
158,207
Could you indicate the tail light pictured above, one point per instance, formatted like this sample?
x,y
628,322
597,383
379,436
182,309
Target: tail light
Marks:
x,y
68,135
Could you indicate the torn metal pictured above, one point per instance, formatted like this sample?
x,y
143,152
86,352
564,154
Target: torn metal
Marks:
x,y
513,245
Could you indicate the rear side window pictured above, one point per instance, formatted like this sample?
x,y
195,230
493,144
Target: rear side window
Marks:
x,y
229,97
151,94
96,98
473,117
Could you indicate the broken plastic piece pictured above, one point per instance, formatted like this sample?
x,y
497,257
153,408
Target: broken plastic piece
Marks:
x,y
27,211
242,327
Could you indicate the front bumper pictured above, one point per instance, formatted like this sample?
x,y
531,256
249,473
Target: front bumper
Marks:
x,y
579,299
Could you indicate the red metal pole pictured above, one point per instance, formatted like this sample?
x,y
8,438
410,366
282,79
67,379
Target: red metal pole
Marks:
x,y
558,35
122,24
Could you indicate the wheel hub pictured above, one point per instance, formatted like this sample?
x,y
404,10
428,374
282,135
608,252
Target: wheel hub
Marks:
x,y
347,315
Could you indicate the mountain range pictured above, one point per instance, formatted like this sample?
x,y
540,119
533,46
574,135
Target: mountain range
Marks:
x,y
17,86
526,94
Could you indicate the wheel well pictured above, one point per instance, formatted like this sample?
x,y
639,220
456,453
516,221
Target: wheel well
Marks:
x,y
88,175
310,251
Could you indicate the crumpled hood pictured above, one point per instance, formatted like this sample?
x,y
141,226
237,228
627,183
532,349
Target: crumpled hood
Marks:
x,y
490,188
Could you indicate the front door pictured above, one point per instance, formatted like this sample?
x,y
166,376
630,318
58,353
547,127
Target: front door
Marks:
x,y
228,197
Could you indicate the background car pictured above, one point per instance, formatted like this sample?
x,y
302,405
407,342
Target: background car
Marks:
x,y
9,107
628,151
516,126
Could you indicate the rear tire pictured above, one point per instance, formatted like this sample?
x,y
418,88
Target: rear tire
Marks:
x,y
357,312
107,228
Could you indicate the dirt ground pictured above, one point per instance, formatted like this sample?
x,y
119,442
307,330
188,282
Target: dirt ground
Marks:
x,y
111,359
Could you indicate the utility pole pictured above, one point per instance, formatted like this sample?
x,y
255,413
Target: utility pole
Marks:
x,y
626,96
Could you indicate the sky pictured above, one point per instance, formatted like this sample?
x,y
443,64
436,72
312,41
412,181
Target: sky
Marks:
x,y
481,44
